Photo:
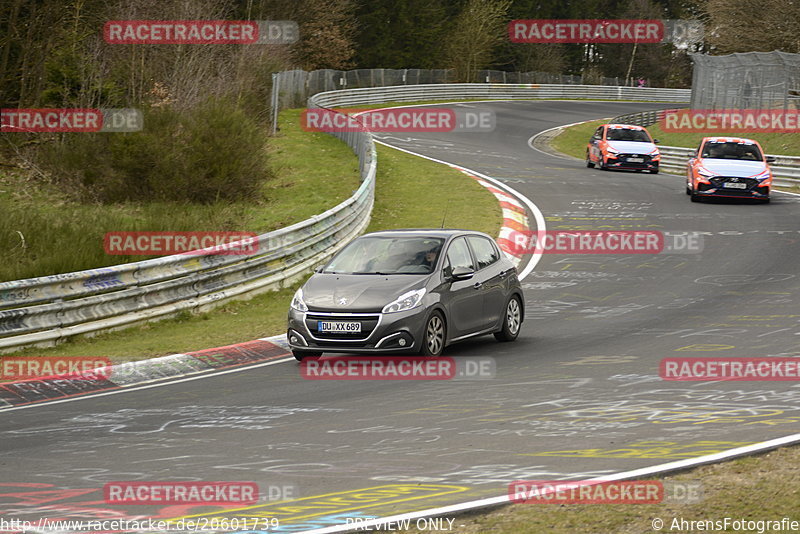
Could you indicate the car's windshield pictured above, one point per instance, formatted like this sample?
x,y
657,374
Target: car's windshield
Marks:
x,y
387,255
627,134
731,150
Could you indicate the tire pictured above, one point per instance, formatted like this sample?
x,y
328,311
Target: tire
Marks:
x,y
602,164
434,335
688,190
589,162
653,171
694,197
300,354
511,322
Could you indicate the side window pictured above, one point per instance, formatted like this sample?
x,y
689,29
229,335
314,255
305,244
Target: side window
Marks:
x,y
598,134
699,150
485,252
458,256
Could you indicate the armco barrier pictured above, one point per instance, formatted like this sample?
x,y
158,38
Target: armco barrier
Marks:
x,y
785,170
45,310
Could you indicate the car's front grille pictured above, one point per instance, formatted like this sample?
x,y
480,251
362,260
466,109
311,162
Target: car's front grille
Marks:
x,y
644,157
719,183
368,323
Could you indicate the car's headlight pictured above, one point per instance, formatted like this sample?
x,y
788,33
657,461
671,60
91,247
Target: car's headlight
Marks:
x,y
297,301
706,173
406,301
763,176
612,151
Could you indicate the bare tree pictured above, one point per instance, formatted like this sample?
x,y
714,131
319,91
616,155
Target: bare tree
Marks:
x,y
752,25
476,32
327,30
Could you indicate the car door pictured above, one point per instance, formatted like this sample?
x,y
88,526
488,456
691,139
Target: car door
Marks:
x,y
489,279
464,301
692,167
594,145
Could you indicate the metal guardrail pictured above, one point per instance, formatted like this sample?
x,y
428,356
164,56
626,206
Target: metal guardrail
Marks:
x,y
489,91
44,310
785,169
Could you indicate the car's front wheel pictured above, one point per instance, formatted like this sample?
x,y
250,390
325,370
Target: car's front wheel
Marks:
x,y
299,355
589,162
435,335
511,322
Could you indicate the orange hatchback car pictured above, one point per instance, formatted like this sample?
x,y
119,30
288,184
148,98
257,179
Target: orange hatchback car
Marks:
x,y
729,167
623,146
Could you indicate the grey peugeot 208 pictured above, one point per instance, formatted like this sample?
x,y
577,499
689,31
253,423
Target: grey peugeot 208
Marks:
x,y
412,291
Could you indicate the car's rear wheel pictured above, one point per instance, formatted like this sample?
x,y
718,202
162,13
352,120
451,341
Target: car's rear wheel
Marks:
x,y
434,336
511,322
589,162
299,355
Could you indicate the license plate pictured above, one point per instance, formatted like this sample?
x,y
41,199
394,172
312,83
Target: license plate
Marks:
x,y
734,185
339,326
636,160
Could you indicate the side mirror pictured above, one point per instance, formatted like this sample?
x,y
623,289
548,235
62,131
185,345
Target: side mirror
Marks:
x,y
462,273
656,141
318,269
770,159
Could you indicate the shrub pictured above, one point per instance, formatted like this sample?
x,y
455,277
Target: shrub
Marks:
x,y
213,152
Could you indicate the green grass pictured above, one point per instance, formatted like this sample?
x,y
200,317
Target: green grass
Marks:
x,y
41,233
753,488
572,141
411,192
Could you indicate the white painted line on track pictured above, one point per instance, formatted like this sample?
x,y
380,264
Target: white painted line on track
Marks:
x,y
505,499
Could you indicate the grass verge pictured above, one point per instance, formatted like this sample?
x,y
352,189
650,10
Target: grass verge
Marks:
x,y
754,488
411,192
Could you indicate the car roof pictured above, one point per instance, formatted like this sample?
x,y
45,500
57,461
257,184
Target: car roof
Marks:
x,y
730,140
625,126
425,232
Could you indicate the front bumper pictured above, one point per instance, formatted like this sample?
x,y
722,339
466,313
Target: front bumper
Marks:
x,y
624,161
381,333
716,187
